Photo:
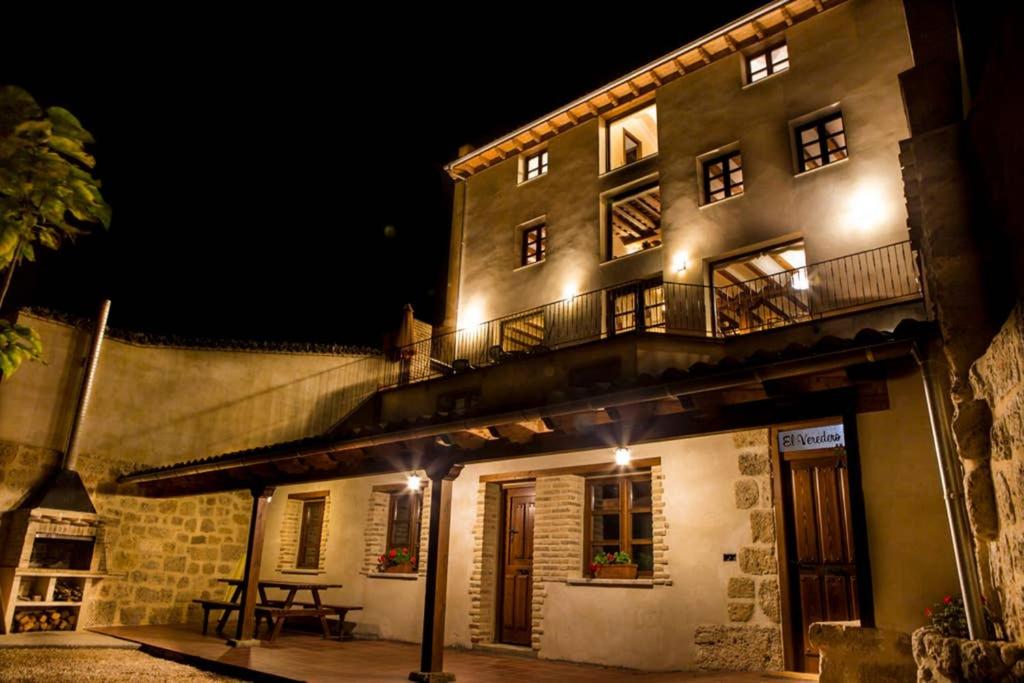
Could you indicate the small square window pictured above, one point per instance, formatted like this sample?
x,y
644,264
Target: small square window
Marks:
x,y
821,142
535,165
764,64
534,244
723,177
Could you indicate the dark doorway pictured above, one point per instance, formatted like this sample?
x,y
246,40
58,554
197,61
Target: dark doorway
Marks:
x,y
820,544
515,607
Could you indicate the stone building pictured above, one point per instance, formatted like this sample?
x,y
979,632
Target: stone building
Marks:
x,y
684,322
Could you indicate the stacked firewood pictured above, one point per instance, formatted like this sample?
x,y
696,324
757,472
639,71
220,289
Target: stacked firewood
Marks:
x,y
45,620
67,591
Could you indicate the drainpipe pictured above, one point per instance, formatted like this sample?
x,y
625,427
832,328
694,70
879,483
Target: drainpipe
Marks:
x,y
71,451
952,492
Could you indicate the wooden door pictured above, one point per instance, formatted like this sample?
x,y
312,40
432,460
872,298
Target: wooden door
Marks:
x,y
823,573
516,618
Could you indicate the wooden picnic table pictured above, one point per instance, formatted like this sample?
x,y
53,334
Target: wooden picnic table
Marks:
x,y
276,611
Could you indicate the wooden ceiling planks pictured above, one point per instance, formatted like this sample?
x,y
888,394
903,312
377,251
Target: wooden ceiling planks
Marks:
x,y
715,47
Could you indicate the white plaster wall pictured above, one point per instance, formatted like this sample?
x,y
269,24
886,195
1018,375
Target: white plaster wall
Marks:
x,y
157,404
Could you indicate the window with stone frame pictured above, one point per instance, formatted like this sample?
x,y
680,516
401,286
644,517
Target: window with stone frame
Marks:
x,y
310,530
304,531
619,517
404,521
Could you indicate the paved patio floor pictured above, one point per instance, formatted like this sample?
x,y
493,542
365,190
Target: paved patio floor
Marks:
x,y
296,657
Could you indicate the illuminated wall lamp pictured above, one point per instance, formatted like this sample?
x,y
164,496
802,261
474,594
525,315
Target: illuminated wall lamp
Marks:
x,y
680,265
622,456
413,482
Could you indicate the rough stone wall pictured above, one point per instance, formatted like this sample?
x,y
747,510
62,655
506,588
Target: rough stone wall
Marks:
x,y
291,527
742,645
557,539
163,552
661,574
998,380
952,660
483,581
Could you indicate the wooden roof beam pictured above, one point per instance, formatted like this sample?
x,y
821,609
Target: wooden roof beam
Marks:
x,y
731,42
633,89
679,65
758,30
818,7
654,78
594,109
787,16
573,119
613,98
538,137
704,54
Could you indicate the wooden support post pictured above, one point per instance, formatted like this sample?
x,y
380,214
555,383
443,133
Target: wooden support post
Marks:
x,y
244,635
434,600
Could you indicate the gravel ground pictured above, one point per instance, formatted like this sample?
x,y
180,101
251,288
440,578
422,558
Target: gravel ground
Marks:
x,y
93,665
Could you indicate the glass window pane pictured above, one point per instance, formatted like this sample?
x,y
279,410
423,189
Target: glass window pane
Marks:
x,y
834,126
714,169
643,556
809,135
606,496
605,527
641,493
758,63
716,184
780,54
643,525
736,178
735,162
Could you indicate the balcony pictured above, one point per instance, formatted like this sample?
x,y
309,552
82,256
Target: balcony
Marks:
x,y
842,286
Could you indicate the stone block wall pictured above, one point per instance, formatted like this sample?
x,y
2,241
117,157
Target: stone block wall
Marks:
x,y
557,539
483,581
998,381
752,641
163,552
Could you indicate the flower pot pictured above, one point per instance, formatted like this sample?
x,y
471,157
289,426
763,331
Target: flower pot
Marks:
x,y
403,568
615,571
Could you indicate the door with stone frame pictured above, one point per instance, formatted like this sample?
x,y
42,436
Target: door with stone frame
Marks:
x,y
820,548
515,608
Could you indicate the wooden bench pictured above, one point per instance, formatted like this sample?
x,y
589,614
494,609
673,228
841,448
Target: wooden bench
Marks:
x,y
208,605
275,614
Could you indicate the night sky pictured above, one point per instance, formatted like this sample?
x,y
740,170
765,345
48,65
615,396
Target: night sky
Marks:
x,y
254,165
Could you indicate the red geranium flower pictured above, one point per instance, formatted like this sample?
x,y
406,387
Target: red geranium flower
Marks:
x,y
928,612
393,553
610,557
948,600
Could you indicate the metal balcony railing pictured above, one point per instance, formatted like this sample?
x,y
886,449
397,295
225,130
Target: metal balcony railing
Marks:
x,y
867,279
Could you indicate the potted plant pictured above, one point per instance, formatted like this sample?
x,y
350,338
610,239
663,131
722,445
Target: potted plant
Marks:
x,y
397,561
613,566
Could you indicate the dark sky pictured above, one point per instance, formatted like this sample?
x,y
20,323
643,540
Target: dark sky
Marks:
x,y
254,163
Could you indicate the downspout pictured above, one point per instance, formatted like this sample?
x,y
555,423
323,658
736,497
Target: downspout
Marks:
x,y
71,451
952,493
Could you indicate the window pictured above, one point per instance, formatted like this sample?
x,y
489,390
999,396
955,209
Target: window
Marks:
x,y
634,222
723,177
762,290
310,533
534,244
821,142
764,64
535,165
625,311
619,519
404,521
632,137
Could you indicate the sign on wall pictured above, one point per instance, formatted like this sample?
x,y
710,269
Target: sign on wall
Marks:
x,y
812,438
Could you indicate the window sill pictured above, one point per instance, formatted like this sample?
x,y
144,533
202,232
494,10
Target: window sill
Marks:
x,y
632,164
766,78
307,572
719,202
393,576
529,265
527,182
801,174
621,583
628,256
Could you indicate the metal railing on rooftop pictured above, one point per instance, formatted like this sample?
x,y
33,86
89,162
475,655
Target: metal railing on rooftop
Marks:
x,y
838,286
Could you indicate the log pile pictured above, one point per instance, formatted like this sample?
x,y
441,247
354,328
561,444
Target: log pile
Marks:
x,y
67,591
45,620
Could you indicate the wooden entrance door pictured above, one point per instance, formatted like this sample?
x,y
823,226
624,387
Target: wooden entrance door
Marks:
x,y
823,574
516,618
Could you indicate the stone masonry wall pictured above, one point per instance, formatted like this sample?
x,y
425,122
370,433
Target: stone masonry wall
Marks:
x,y
483,582
754,593
163,552
998,381
557,539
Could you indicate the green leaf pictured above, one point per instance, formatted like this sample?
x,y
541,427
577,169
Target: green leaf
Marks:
x,y
66,125
73,149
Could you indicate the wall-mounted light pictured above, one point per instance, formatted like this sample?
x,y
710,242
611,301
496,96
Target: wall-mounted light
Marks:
x,y
680,263
799,280
570,292
622,456
471,317
413,482
867,207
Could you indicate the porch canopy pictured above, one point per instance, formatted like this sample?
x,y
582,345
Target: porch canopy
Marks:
x,y
831,378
